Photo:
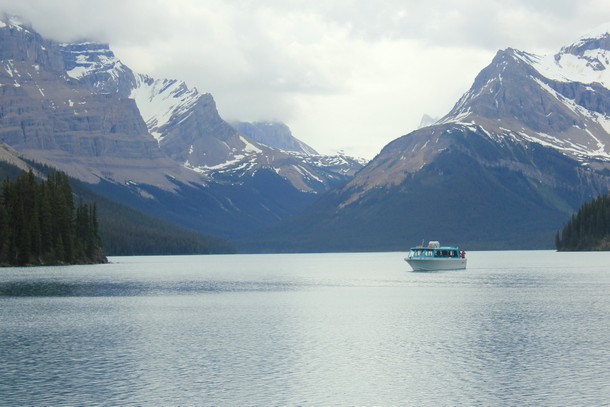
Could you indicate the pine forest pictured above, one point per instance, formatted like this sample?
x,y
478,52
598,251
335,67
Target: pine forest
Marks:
x,y
589,229
40,224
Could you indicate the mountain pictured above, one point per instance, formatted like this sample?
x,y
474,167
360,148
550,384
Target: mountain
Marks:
x,y
187,127
427,120
327,171
152,144
275,135
516,156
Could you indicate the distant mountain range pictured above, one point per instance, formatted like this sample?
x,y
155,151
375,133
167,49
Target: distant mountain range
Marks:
x,y
505,168
153,144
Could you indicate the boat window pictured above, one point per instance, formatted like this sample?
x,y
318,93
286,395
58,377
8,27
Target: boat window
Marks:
x,y
417,252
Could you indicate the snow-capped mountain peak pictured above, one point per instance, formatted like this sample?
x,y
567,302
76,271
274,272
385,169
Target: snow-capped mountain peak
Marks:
x,y
90,57
559,101
95,65
161,99
594,39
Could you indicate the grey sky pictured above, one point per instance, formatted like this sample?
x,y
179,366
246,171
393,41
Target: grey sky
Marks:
x,y
342,74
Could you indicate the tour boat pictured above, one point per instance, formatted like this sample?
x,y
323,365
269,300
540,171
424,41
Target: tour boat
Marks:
x,y
436,257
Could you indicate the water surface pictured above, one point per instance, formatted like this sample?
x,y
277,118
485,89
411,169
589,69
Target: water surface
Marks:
x,y
515,328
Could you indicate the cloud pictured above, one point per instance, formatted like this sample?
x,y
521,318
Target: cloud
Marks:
x,y
342,74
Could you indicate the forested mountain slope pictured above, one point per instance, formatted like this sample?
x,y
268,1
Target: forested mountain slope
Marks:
x,y
125,231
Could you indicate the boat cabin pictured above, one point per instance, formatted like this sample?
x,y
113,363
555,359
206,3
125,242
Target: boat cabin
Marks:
x,y
434,250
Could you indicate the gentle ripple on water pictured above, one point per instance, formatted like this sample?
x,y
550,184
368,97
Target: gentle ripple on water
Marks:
x,y
516,328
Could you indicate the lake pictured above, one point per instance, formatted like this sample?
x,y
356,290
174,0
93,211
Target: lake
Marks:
x,y
515,328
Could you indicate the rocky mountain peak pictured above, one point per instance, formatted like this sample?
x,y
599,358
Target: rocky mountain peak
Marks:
x,y
85,57
273,134
559,101
596,40
96,66
162,102
494,89
12,22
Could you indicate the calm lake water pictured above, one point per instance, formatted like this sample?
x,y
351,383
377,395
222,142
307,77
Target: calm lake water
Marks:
x,y
515,328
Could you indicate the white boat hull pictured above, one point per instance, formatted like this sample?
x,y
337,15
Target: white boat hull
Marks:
x,y
434,264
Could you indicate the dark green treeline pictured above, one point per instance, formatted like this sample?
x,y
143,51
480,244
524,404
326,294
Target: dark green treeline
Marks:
x,y
40,224
589,229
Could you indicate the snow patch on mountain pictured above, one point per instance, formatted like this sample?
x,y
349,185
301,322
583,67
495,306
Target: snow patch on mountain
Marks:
x,y
249,147
585,61
93,58
306,173
160,100
340,161
595,148
564,67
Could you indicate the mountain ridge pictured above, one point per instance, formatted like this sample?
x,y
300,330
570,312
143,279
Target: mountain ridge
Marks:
x,y
189,129
184,123
154,145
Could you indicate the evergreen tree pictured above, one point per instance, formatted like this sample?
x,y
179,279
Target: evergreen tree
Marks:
x,y
46,224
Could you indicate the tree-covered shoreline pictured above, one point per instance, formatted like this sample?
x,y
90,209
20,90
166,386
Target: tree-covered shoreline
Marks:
x,y
41,225
588,229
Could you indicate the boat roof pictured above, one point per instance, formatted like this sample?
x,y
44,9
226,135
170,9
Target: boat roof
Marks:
x,y
434,244
420,247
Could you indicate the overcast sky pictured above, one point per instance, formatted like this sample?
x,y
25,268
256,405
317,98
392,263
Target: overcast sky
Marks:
x,y
344,75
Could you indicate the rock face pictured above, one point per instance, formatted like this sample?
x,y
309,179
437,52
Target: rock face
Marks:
x,y
505,168
51,115
185,123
